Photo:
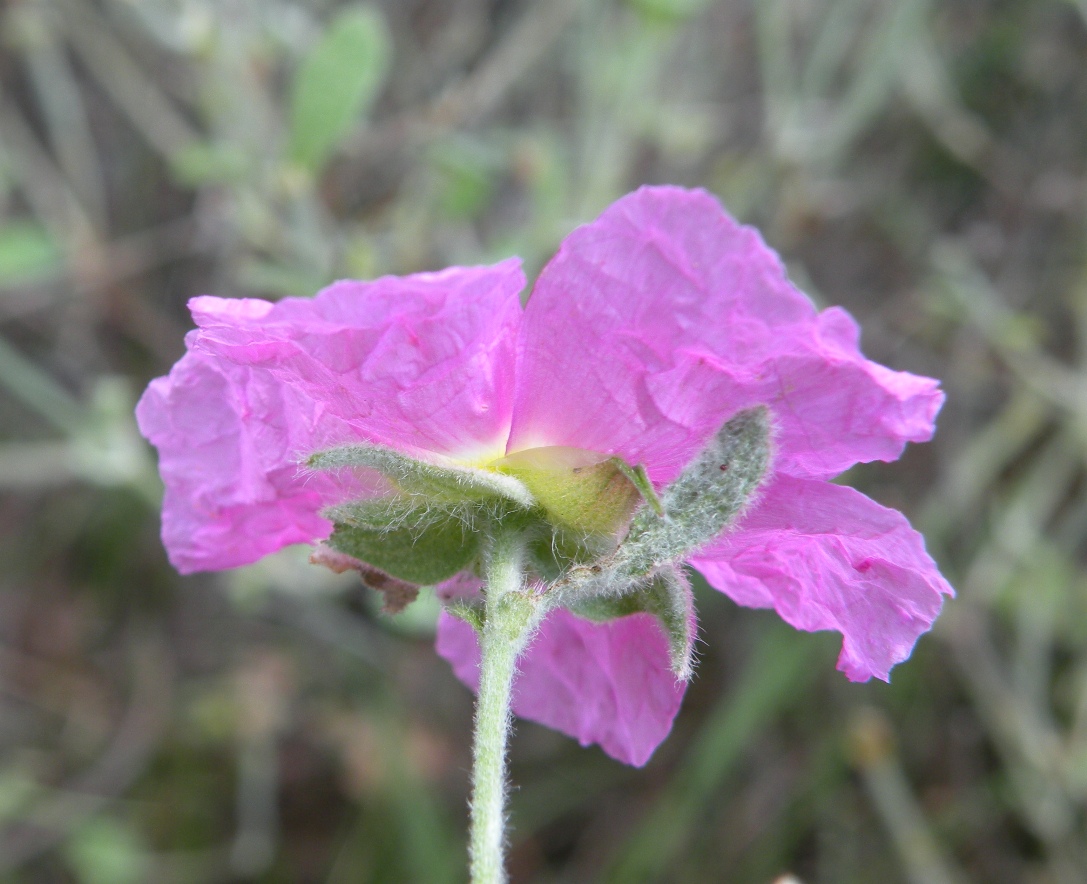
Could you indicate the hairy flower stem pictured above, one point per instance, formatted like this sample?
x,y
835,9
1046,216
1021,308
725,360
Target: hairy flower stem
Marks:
x,y
512,614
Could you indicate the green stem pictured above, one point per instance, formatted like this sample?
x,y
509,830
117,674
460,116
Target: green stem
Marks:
x,y
511,616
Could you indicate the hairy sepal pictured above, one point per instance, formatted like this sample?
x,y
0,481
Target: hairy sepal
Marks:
x,y
698,506
422,544
471,612
667,596
431,480
396,594
705,499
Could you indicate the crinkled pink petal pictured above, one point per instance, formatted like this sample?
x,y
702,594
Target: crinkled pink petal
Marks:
x,y
423,362
827,557
606,683
230,439
662,318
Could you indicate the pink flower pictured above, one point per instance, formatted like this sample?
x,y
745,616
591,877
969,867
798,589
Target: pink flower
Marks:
x,y
649,328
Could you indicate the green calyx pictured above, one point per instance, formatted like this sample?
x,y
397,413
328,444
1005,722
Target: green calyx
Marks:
x,y
396,594
571,505
433,524
592,529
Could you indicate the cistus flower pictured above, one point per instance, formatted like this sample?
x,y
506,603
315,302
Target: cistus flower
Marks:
x,y
649,330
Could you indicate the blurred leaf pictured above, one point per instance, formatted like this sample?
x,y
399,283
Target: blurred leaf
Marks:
x,y
742,182
203,162
359,260
27,254
107,448
467,178
670,10
277,280
337,82
107,852
16,791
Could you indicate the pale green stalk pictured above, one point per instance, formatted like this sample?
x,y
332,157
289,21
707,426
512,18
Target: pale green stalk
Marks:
x,y
511,617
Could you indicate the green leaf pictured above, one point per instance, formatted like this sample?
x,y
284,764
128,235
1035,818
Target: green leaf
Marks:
x,y
552,550
27,254
471,613
639,478
667,597
421,544
337,83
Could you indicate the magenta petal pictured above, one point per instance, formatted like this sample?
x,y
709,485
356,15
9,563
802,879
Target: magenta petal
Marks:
x,y
230,439
834,408
661,319
827,557
422,362
606,683
459,587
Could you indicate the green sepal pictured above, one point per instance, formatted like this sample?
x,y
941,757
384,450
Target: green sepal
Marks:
x,y
471,613
698,506
420,544
436,481
706,497
668,597
577,489
639,478
553,550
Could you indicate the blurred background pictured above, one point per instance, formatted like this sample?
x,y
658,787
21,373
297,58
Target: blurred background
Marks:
x,y
923,164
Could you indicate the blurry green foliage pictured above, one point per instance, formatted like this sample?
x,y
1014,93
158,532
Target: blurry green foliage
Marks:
x,y
467,174
337,82
17,790
280,279
670,10
775,676
28,253
201,163
105,851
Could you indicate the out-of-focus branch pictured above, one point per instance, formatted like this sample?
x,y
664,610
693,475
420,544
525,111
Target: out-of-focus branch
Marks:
x,y
131,87
478,95
125,758
873,750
